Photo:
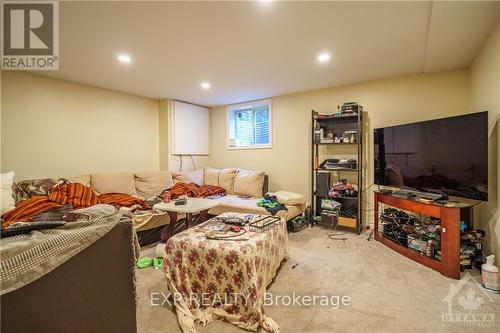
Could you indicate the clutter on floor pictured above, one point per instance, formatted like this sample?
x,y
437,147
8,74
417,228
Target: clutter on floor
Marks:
x,y
422,235
144,262
271,204
297,224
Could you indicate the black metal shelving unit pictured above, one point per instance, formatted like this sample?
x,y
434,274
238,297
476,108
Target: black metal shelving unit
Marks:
x,y
338,123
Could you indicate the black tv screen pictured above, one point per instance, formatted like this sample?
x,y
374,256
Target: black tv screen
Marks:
x,y
446,156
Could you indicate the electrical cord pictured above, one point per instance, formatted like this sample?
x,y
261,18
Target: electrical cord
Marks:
x,y
180,164
192,160
218,177
396,223
331,231
366,189
229,238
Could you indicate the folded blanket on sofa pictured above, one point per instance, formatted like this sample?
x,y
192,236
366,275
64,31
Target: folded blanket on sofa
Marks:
x,y
28,208
123,200
210,190
193,190
180,189
74,194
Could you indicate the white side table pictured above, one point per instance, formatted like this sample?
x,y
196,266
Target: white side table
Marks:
x,y
193,206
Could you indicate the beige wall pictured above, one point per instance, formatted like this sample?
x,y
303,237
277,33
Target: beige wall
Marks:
x,y
0,116
485,96
386,102
163,121
56,128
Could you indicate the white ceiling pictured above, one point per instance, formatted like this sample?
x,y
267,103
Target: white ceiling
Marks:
x,y
253,50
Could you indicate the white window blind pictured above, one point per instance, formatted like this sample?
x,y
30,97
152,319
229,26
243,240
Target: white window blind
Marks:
x,y
249,125
190,129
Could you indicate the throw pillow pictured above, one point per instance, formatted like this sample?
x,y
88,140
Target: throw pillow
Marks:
x,y
83,179
152,184
249,182
289,198
193,176
118,182
26,189
7,200
220,177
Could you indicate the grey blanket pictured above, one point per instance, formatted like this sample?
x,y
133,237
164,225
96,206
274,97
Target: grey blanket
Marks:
x,y
25,258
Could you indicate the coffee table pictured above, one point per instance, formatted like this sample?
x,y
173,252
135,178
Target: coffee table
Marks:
x,y
193,206
224,279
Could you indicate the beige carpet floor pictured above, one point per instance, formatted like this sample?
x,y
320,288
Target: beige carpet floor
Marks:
x,y
388,292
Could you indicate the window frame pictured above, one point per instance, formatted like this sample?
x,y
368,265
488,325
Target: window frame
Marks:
x,y
230,109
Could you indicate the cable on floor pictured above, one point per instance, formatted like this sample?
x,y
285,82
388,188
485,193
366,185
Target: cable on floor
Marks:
x,y
333,235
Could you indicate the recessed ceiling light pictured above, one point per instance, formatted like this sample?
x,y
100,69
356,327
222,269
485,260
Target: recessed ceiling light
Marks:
x,y
324,57
205,85
124,58
265,3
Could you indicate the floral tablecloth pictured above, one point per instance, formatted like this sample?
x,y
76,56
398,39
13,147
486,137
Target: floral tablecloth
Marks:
x,y
221,279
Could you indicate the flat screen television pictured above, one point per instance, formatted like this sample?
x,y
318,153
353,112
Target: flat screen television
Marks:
x,y
447,156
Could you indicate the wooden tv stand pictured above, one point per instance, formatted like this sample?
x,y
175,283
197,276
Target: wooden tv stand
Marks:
x,y
450,231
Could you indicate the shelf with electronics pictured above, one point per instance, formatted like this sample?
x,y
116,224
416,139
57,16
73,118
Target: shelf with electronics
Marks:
x,y
335,136
438,236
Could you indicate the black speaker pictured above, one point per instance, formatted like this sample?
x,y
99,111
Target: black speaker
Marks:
x,y
322,183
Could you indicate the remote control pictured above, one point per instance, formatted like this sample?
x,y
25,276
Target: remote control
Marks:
x,y
180,202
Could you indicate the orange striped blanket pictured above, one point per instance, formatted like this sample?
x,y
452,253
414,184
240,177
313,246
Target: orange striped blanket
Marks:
x,y
75,194
193,190
123,200
28,208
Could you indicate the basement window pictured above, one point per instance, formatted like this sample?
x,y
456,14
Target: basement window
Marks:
x,y
249,125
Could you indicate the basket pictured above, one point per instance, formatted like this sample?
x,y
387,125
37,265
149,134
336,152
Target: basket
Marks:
x,y
264,224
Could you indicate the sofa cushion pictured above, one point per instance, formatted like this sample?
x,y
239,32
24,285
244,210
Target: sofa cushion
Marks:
x,y
232,203
220,177
83,179
119,182
151,184
249,182
6,199
289,198
192,176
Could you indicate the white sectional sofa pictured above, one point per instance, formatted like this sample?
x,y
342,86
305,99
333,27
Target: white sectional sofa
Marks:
x,y
243,187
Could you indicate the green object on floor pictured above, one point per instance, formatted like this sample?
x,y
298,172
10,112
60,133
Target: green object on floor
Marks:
x,y
157,263
147,262
144,262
